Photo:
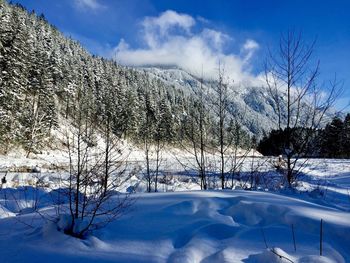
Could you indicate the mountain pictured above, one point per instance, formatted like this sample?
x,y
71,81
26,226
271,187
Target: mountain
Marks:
x,y
46,77
252,106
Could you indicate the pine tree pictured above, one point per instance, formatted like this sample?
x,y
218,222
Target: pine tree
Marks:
x,y
332,139
345,140
14,73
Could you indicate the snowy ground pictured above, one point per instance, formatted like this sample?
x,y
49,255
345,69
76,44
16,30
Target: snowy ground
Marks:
x,y
212,226
192,226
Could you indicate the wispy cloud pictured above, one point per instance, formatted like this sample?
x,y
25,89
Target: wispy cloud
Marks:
x,y
88,5
248,49
171,39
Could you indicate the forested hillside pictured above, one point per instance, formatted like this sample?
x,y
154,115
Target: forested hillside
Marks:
x,y
45,76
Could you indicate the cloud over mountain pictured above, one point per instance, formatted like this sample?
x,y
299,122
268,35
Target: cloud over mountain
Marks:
x,y
174,38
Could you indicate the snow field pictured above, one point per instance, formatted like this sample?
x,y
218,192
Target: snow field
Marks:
x,y
186,226
211,226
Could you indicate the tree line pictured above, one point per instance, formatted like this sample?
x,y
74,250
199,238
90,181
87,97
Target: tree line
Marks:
x,y
332,141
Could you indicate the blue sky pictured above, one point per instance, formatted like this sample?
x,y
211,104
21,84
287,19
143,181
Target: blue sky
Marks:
x,y
190,33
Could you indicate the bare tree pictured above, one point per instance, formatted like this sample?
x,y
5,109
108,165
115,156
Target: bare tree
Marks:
x,y
237,154
221,103
97,168
147,131
202,134
194,135
163,134
298,97
87,197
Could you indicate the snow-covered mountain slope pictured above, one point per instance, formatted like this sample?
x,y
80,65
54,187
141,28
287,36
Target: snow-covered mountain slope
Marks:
x,y
252,106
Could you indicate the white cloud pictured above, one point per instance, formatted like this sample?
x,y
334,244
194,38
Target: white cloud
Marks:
x,y
157,29
170,39
250,45
88,4
215,39
169,19
248,49
203,20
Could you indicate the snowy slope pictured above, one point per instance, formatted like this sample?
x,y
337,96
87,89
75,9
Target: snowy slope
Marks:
x,y
251,105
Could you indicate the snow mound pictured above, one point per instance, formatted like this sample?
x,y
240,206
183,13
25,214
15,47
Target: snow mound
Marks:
x,y
273,255
277,255
317,259
4,213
